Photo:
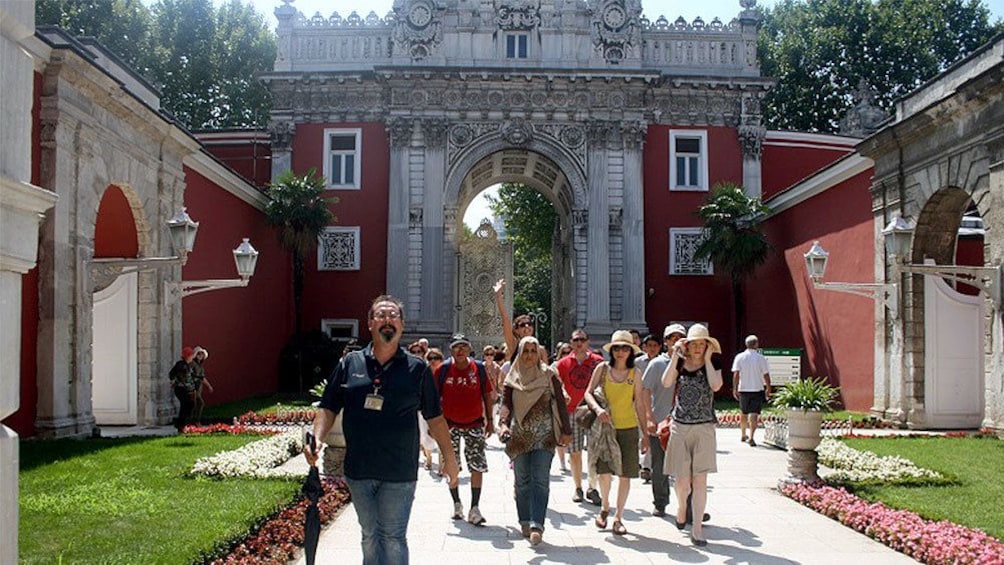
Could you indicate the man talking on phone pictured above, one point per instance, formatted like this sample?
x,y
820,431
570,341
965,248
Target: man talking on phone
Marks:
x,y
381,389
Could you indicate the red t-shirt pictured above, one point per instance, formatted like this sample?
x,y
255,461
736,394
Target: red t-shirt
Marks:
x,y
575,376
460,396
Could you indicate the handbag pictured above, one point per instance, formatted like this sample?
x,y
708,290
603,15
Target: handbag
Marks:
x,y
663,432
584,415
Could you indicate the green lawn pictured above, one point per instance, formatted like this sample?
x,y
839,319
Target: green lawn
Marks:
x,y
262,404
976,462
128,501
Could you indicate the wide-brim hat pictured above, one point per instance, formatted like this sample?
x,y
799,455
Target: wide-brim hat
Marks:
x,y
700,331
674,329
202,350
622,337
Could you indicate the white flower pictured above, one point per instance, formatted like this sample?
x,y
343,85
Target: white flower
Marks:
x,y
259,459
851,465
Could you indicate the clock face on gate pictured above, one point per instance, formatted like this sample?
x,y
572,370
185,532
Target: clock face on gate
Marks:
x,y
614,17
420,15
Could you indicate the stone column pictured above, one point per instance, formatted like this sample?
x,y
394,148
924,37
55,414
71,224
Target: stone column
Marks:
x,y
633,227
994,255
598,251
282,131
435,304
751,140
400,132
21,206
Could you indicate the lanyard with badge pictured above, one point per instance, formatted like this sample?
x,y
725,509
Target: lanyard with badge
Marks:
x,y
373,400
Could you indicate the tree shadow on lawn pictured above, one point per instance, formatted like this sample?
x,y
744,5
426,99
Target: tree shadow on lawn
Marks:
x,y
37,453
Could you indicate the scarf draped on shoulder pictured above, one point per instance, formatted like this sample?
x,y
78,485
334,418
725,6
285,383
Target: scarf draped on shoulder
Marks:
x,y
530,379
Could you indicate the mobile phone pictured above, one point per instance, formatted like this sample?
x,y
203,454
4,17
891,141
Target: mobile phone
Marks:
x,y
308,440
505,437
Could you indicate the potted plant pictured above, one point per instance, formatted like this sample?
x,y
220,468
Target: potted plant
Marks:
x,y
805,401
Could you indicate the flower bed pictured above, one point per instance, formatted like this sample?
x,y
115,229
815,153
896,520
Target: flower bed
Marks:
x,y
260,459
279,418
930,542
864,467
232,429
278,539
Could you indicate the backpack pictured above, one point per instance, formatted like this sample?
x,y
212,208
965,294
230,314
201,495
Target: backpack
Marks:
x,y
444,369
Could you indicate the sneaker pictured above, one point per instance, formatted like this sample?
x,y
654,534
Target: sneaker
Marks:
x,y
458,510
578,495
593,496
659,512
475,517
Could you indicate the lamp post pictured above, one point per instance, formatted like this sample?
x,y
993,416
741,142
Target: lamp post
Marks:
x,y
816,260
183,231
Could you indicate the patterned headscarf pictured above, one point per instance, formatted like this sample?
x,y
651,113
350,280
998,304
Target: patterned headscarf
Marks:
x,y
528,379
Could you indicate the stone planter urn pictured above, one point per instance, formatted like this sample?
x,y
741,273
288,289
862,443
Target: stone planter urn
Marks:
x,y
333,459
803,428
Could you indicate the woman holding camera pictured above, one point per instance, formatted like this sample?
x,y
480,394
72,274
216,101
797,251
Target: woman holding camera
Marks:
x,y
533,421
695,370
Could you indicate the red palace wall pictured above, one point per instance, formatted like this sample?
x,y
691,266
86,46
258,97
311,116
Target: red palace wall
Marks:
x,y
115,231
789,157
347,294
248,153
835,330
244,329
694,298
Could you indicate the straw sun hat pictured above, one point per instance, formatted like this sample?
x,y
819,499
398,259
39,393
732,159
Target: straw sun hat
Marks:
x,y
622,337
700,331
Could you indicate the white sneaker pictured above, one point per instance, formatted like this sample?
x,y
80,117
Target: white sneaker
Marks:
x,y
475,517
458,511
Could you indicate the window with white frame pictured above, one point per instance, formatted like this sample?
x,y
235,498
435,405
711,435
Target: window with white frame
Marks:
x,y
683,243
338,249
342,157
688,160
517,45
340,329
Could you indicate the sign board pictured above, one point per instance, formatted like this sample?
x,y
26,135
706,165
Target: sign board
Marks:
x,y
785,365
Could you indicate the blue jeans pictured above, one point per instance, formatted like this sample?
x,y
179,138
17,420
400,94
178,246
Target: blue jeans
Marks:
x,y
533,486
383,509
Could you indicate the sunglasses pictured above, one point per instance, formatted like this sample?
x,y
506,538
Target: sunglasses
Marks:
x,y
434,358
577,339
620,348
524,325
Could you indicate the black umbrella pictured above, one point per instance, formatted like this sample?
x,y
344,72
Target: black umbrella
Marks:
x,y
313,490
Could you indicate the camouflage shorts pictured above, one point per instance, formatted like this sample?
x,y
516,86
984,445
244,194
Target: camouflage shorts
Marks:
x,y
474,447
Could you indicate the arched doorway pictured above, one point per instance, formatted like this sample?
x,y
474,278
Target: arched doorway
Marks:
x,y
952,331
537,172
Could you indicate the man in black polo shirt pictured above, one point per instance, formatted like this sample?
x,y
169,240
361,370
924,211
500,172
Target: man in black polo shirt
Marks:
x,y
381,389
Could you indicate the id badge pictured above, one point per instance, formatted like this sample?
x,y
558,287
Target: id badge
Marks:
x,y
373,402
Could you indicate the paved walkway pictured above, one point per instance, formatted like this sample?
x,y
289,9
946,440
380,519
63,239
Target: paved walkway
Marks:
x,y
750,523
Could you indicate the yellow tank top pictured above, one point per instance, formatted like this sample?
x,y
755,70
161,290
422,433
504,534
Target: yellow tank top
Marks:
x,y
620,397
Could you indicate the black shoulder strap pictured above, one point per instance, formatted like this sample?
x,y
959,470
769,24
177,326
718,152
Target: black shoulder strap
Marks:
x,y
441,375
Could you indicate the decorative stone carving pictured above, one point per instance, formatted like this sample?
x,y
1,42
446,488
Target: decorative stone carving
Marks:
x,y
511,15
338,249
517,131
616,28
434,130
418,30
415,217
580,218
597,132
461,135
751,140
572,137
865,118
282,133
633,134
399,129
616,217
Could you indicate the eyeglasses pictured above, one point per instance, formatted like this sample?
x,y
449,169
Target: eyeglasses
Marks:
x,y
526,351
616,348
524,325
576,339
388,315
434,358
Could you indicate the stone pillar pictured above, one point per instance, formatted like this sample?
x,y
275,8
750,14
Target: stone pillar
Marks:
x,y
433,316
21,206
282,132
598,250
633,228
993,215
751,140
400,132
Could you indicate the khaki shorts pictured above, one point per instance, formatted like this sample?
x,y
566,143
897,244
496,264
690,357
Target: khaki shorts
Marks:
x,y
691,450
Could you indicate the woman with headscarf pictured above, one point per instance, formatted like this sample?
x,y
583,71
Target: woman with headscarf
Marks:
x,y
696,373
620,383
533,421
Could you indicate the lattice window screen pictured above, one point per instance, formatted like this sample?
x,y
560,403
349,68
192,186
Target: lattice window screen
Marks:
x,y
338,249
683,244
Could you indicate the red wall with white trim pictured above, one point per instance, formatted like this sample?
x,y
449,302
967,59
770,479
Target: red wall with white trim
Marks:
x,y
785,165
244,329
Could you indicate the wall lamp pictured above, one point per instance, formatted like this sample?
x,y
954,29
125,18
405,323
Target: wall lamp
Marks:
x,y
183,231
898,235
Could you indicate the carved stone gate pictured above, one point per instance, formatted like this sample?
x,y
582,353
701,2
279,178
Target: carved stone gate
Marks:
x,y
484,259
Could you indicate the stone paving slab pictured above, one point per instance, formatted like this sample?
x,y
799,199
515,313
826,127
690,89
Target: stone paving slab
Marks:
x,y
751,523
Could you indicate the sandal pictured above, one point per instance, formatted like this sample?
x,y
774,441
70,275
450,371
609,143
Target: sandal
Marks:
x,y
601,520
619,528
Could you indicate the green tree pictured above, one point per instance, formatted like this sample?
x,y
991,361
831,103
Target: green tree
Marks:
x,y
529,219
299,211
819,51
733,239
123,26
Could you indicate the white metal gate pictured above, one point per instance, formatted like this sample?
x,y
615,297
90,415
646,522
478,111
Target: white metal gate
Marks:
x,y
113,369
953,356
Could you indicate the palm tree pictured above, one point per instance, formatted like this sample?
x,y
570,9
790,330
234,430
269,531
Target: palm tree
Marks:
x,y
733,239
299,212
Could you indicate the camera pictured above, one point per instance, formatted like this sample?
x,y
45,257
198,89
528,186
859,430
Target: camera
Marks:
x,y
505,437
